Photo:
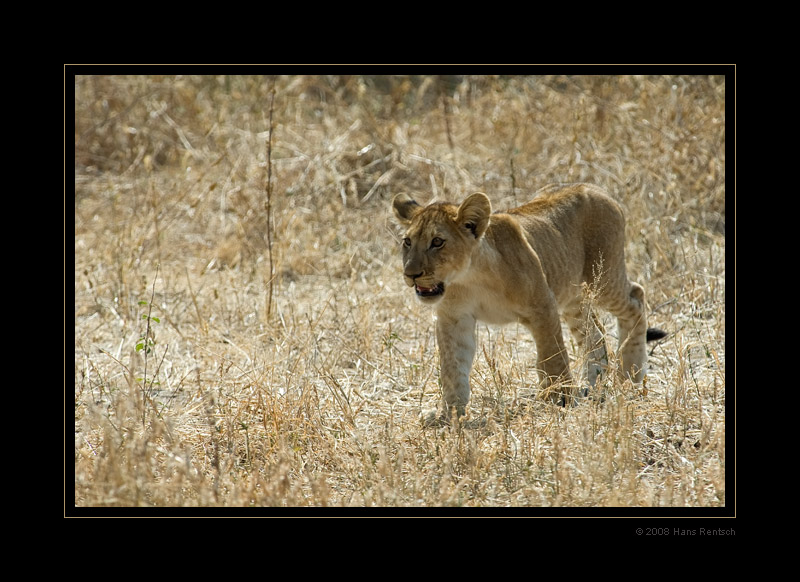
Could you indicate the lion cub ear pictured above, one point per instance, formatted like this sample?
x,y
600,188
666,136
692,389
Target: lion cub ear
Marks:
x,y
474,213
405,208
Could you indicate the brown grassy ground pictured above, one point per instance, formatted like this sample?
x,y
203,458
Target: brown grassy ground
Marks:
x,y
315,400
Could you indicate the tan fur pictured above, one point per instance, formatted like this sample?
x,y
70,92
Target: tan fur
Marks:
x,y
524,265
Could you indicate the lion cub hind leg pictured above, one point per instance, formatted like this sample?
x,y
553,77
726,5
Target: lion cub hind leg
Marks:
x,y
632,325
588,333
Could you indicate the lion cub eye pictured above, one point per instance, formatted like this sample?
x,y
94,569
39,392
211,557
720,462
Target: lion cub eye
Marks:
x,y
436,243
406,242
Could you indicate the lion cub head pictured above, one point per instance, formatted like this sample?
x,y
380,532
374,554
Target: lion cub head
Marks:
x,y
439,241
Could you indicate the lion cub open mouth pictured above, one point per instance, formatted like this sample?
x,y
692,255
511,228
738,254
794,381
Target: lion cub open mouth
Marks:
x,y
434,291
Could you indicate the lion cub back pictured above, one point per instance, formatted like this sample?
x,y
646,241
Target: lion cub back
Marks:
x,y
577,230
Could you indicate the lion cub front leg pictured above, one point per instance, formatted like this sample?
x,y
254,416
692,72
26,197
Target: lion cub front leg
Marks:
x,y
456,339
552,358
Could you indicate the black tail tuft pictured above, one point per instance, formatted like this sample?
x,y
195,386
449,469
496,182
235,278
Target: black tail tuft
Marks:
x,y
653,334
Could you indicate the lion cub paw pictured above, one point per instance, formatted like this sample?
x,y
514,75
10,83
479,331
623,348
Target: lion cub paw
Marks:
x,y
432,419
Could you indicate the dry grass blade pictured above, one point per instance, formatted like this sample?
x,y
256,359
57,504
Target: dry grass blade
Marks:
x,y
300,365
271,282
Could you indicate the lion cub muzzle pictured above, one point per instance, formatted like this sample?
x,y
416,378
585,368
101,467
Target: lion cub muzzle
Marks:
x,y
426,290
428,293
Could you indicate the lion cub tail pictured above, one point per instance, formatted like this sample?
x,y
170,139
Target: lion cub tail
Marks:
x,y
654,333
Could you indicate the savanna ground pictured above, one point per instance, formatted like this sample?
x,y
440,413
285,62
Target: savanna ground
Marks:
x,y
238,345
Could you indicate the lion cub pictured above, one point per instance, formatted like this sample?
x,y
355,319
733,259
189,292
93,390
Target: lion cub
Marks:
x,y
524,265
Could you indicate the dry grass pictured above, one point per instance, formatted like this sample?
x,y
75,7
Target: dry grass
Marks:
x,y
318,404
